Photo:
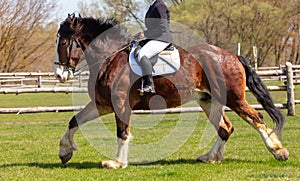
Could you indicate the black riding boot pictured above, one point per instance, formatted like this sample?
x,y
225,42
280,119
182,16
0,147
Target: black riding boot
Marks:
x,y
147,75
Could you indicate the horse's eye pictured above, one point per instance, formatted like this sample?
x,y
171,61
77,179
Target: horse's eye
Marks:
x,y
64,44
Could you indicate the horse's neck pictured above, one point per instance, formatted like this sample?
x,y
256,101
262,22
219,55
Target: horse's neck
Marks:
x,y
99,50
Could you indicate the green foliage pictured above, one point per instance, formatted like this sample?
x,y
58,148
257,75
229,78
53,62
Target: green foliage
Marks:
x,y
225,23
132,11
125,10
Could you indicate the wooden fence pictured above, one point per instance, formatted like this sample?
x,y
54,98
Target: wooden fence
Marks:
x,y
38,82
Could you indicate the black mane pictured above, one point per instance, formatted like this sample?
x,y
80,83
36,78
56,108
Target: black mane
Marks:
x,y
89,28
65,28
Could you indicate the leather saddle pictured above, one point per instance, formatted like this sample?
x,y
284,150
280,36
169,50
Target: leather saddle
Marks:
x,y
166,62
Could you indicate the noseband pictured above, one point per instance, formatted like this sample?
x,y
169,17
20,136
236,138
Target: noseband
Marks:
x,y
68,64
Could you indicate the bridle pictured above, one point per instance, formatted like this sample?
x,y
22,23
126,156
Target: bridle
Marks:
x,y
67,64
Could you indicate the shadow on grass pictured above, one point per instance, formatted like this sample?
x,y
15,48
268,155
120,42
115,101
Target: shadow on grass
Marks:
x,y
82,165
229,161
89,165
167,162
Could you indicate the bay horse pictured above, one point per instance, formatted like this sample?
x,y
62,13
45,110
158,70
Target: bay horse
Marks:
x,y
218,76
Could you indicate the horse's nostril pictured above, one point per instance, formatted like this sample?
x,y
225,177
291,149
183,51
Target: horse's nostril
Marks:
x,y
60,78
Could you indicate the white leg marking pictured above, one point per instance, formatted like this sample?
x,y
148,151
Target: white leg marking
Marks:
x,y
215,154
270,139
216,114
273,144
214,110
67,144
121,160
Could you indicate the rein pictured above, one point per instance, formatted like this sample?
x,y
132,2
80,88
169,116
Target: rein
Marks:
x,y
96,63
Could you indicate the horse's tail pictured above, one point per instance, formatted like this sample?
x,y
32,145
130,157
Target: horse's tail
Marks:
x,y
257,87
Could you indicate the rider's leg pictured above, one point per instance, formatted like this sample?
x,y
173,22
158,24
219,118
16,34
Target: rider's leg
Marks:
x,y
149,50
147,74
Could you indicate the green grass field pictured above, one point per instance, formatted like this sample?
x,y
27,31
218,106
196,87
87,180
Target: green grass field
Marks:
x,y
29,147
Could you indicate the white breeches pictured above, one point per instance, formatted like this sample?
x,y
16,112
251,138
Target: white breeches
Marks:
x,y
152,48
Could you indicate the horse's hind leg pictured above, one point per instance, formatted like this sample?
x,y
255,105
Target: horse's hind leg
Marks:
x,y
67,144
255,119
214,111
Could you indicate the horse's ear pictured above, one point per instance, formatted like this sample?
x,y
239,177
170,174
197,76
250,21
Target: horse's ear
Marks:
x,y
71,16
75,22
79,15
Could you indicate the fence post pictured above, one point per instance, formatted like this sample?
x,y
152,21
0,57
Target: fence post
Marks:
x,y
39,80
80,81
255,55
290,89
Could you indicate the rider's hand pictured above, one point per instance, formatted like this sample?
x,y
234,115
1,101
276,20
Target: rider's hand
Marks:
x,y
139,36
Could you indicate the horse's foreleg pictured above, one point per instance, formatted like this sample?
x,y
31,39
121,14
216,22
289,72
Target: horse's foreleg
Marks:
x,y
216,115
121,159
124,137
255,119
67,144
122,116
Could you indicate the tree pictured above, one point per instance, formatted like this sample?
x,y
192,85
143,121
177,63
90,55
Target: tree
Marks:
x,y
288,47
225,23
273,26
123,10
174,2
92,9
25,36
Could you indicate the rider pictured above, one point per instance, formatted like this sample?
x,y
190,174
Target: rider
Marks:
x,y
157,21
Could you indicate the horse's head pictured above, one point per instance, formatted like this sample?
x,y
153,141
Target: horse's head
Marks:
x,y
68,49
77,34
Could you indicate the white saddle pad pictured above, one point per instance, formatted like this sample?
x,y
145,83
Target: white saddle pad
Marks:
x,y
168,62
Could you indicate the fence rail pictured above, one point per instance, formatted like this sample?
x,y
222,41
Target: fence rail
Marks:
x,y
40,109
33,82
155,111
44,90
39,79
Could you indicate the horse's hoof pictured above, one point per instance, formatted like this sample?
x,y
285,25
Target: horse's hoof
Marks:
x,y
66,158
207,159
202,159
282,154
113,164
